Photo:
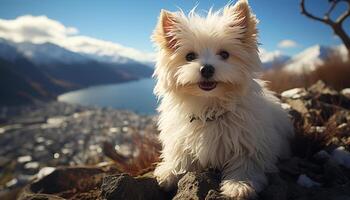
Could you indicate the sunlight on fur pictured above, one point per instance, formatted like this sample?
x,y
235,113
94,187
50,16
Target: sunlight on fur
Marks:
x,y
214,113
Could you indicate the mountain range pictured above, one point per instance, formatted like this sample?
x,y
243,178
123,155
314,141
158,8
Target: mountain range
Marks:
x,y
305,61
29,71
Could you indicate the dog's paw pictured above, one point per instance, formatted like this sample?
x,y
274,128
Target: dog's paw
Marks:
x,y
165,178
168,183
238,190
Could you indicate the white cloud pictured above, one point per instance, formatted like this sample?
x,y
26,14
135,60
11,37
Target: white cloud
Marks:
x,y
34,29
287,44
40,29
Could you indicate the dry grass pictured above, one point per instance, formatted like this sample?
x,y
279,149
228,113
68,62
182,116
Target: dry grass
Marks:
x,y
148,148
334,73
308,140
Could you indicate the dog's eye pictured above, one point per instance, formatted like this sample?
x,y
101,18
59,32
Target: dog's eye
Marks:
x,y
224,54
191,56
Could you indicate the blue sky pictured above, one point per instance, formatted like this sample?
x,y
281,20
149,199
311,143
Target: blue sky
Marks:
x,y
130,23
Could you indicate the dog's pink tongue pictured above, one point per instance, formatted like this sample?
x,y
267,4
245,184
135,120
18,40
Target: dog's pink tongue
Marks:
x,y
207,85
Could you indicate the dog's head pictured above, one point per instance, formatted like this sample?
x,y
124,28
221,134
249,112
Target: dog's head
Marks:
x,y
206,56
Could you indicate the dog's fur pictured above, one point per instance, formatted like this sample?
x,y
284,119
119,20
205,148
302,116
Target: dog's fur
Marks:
x,y
238,127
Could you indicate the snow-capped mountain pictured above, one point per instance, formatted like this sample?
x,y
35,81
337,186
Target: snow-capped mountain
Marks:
x,y
106,51
306,61
310,58
39,54
272,59
7,51
48,53
108,58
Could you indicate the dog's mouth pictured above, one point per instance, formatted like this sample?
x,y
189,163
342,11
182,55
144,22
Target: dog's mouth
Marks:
x,y
207,85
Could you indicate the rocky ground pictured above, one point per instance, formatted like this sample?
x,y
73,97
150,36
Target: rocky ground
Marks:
x,y
319,168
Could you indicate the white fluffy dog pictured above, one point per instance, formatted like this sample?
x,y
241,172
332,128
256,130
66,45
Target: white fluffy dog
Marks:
x,y
214,113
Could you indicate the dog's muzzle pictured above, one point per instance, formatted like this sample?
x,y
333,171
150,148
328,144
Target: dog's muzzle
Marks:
x,y
207,85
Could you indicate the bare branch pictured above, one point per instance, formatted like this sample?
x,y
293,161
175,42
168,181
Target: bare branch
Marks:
x,y
335,25
334,4
345,15
306,13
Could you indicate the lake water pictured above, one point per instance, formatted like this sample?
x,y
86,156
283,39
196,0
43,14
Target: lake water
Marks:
x,y
136,96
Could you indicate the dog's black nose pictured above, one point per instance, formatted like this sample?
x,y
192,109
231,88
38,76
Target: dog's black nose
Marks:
x,y
207,71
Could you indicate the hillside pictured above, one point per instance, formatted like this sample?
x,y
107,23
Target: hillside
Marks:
x,y
42,71
21,82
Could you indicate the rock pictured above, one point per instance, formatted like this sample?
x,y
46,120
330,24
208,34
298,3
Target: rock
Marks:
x,y
321,88
298,105
346,92
215,195
123,186
295,93
45,171
341,156
339,192
333,174
307,182
328,95
276,190
197,185
322,156
341,117
68,183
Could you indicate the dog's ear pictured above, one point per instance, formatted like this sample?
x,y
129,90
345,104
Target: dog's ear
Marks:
x,y
242,17
164,34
